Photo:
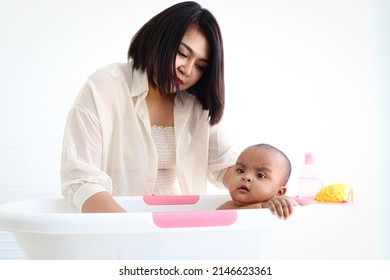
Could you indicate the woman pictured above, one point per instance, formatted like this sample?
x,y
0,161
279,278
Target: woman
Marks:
x,y
151,126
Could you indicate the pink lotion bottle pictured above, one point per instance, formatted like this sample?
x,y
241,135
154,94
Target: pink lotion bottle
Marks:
x,y
310,179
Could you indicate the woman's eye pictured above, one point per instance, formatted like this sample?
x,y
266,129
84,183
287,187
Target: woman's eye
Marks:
x,y
260,175
201,67
182,54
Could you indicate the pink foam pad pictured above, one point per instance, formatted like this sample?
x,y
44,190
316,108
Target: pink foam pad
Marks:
x,y
195,218
170,199
304,200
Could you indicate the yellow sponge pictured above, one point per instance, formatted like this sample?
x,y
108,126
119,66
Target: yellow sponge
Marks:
x,y
335,193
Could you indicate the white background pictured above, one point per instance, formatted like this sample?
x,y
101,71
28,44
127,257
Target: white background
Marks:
x,y
302,75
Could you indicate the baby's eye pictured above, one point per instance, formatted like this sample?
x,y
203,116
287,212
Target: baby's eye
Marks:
x,y
240,170
260,175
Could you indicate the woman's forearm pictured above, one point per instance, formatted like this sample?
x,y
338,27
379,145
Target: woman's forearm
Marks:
x,y
101,202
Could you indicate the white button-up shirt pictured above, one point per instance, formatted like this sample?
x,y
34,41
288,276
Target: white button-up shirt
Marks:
x,y
108,144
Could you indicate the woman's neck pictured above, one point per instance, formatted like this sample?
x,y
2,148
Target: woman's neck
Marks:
x,y
160,107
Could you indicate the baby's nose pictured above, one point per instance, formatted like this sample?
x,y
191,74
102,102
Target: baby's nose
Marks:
x,y
247,178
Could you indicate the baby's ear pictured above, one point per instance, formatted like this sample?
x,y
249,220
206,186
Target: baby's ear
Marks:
x,y
282,190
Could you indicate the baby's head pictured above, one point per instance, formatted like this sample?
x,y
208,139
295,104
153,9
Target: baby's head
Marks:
x,y
261,173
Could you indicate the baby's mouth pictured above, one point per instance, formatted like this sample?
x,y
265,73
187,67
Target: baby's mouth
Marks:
x,y
243,188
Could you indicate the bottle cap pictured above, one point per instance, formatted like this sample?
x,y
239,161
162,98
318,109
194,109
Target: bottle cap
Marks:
x,y
309,158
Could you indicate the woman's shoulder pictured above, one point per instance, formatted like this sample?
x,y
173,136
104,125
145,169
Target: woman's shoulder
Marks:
x,y
120,76
112,71
107,84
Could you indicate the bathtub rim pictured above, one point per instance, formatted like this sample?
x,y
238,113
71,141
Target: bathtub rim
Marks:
x,y
140,221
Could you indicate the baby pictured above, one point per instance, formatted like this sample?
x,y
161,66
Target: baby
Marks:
x,y
259,179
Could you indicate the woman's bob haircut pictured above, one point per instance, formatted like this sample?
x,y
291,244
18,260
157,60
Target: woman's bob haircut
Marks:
x,y
155,46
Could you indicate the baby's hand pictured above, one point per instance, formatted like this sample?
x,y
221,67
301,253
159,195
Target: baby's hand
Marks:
x,y
280,205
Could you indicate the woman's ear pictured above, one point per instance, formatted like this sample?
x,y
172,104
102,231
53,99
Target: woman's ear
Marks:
x,y
282,190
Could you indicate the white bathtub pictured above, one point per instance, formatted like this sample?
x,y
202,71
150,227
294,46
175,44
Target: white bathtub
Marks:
x,y
182,227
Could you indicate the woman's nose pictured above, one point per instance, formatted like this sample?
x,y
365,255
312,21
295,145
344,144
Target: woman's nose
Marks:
x,y
186,69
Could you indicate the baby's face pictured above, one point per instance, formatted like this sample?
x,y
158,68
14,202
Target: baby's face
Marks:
x,y
258,176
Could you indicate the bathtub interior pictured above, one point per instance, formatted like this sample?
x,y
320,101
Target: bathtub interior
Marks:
x,y
188,228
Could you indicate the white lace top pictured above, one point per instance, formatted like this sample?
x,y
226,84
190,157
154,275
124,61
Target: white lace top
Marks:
x,y
164,139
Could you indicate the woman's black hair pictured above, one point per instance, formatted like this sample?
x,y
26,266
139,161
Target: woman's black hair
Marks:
x,y
154,48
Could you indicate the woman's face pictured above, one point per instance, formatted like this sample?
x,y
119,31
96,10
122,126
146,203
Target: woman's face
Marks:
x,y
192,58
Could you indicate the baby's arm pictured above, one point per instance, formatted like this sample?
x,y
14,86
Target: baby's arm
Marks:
x,y
280,205
228,205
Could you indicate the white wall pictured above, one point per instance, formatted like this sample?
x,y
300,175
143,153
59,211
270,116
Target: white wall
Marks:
x,y
301,75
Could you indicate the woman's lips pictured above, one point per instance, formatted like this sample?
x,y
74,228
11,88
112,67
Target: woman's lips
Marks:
x,y
180,82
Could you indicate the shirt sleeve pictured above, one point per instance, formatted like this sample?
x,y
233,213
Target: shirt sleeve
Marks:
x,y
222,154
81,174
